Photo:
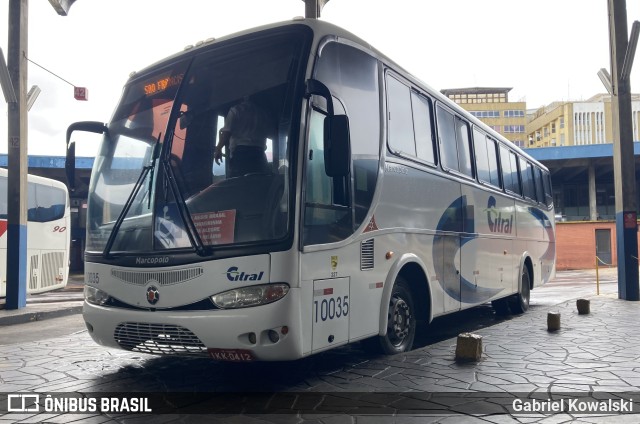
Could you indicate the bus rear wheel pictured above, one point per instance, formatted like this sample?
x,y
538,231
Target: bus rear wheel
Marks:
x,y
520,302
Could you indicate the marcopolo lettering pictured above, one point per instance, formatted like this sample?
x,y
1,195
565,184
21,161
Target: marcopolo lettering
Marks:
x,y
234,275
157,260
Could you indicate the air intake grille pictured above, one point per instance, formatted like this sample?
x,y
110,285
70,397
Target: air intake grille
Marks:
x,y
52,263
158,339
33,272
164,278
366,255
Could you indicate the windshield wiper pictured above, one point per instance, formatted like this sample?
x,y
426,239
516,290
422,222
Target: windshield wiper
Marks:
x,y
136,188
190,228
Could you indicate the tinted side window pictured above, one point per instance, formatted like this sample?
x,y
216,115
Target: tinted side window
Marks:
x,y
482,159
400,117
492,153
513,159
352,76
45,203
486,158
509,170
447,139
539,187
527,179
464,147
548,194
422,113
50,203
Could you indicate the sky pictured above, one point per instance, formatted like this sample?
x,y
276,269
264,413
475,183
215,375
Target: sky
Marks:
x,y
546,50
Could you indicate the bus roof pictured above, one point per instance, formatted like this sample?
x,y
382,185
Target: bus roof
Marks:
x,y
38,180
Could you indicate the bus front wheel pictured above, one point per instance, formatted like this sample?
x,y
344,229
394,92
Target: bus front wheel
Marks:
x,y
520,302
401,320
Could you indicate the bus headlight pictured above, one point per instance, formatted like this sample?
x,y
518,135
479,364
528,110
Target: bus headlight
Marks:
x,y
95,296
250,296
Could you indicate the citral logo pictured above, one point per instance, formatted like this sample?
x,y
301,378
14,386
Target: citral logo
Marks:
x,y
234,275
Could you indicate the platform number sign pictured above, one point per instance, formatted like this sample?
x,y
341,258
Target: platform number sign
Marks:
x,y
80,93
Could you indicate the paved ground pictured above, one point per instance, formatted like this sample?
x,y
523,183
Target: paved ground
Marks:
x,y
595,355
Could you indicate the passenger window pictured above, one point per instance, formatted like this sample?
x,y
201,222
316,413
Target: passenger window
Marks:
x,y
509,170
527,179
464,147
513,159
539,187
482,159
422,114
455,147
447,139
548,195
401,138
492,154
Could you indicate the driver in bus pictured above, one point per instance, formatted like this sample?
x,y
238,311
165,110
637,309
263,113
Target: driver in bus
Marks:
x,y
245,137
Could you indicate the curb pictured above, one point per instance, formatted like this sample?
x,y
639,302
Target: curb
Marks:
x,y
39,315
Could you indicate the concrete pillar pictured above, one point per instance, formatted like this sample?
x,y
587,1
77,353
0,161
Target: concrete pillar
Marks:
x,y
593,209
623,156
17,159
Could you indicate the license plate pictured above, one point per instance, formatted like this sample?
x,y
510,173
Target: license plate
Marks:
x,y
231,355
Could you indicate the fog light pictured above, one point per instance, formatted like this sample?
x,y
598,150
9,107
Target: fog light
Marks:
x,y
252,338
273,336
284,330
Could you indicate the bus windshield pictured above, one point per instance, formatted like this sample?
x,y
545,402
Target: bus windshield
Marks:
x,y
222,119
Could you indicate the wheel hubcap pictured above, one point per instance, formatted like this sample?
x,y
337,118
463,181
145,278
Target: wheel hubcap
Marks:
x,y
399,320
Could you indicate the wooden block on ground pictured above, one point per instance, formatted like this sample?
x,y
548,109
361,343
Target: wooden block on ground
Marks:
x,y
583,306
553,321
469,347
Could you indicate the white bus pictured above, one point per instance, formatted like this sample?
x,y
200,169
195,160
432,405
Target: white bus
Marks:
x,y
383,204
48,240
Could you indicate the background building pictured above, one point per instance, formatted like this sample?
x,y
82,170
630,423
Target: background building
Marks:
x,y
491,105
576,123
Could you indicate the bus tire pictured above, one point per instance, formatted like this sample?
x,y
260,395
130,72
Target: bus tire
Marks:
x,y
501,306
520,302
401,320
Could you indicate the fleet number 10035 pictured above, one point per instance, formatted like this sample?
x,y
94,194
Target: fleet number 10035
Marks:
x,y
331,308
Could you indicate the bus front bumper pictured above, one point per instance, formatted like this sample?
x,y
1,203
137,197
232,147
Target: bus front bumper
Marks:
x,y
268,332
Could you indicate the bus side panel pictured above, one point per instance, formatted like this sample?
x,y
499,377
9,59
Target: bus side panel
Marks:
x,y
536,228
488,259
422,202
353,303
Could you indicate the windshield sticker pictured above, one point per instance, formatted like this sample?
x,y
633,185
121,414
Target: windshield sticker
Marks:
x,y
216,227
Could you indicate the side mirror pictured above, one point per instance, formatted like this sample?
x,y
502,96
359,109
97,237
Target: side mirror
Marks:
x,y
337,143
70,161
337,146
